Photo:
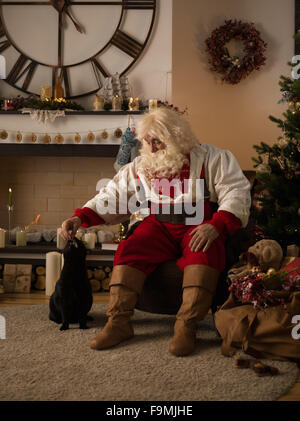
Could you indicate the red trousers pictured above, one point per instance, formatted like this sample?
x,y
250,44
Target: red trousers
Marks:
x,y
154,242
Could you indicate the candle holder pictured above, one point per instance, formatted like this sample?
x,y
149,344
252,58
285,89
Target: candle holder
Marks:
x,y
10,210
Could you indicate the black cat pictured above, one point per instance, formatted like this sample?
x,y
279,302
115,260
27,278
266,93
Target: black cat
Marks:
x,y
72,298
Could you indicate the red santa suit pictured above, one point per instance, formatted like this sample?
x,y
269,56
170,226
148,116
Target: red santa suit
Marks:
x,y
154,242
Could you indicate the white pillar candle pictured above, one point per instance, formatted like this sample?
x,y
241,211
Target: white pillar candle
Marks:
x,y
21,238
2,237
60,241
90,240
53,270
79,235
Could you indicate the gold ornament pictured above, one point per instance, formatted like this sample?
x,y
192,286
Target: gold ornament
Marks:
x,y
91,137
77,138
3,134
59,139
118,133
46,139
104,134
32,138
291,105
19,137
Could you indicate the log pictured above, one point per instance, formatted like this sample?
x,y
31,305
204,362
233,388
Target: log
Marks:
x,y
24,270
9,277
105,284
40,270
40,283
90,274
99,274
95,284
23,283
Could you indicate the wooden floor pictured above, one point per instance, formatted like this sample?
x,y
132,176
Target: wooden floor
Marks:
x,y
39,297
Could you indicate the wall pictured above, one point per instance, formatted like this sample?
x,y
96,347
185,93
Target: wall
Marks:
x,y
54,187
231,116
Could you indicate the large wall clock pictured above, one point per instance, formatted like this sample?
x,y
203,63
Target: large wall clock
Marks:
x,y
82,41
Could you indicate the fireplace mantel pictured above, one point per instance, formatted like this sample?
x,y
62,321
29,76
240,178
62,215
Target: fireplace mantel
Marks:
x,y
105,150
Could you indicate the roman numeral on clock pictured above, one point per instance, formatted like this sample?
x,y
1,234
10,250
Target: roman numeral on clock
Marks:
x,y
65,78
98,70
17,71
127,44
4,44
139,4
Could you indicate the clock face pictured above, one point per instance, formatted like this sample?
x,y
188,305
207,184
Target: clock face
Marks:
x,y
82,41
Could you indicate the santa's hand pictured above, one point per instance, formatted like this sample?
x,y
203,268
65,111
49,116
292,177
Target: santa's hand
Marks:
x,y
69,227
202,237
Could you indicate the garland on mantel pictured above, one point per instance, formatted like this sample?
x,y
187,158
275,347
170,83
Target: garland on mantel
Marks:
x,y
56,137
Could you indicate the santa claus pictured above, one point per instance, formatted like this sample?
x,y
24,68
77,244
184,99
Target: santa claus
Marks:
x,y
169,151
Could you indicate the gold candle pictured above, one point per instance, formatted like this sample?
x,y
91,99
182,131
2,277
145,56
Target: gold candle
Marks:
x,y
152,104
117,103
98,103
133,104
45,92
21,238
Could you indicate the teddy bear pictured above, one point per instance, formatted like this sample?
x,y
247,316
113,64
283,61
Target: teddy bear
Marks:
x,y
262,256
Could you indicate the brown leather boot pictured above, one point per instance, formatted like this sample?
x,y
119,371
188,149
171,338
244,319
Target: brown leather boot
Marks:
x,y
125,286
199,285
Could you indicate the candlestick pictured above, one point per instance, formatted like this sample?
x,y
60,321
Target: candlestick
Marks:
x,y
45,93
90,240
10,209
10,197
21,239
152,104
60,242
53,269
2,237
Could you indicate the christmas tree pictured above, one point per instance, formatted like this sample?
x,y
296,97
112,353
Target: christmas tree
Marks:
x,y
276,204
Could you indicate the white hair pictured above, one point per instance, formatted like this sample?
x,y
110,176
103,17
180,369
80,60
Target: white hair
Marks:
x,y
172,129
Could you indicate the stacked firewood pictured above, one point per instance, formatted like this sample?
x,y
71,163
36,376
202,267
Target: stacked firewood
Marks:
x,y
24,278
99,278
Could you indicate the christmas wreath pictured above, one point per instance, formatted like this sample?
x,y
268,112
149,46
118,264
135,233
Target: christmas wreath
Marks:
x,y
234,69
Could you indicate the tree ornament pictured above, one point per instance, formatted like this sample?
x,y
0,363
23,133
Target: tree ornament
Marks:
x,y
19,137
77,138
282,143
46,139
91,137
104,134
59,139
32,138
263,169
118,133
234,69
3,134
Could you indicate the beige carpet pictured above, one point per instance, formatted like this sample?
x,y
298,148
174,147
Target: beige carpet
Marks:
x,y
38,362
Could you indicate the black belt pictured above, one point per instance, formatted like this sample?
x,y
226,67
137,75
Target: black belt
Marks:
x,y
171,217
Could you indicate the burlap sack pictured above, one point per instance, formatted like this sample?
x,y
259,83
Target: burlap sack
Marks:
x,y
260,333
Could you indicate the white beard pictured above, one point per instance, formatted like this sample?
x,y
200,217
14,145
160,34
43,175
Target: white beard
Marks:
x,y
163,163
